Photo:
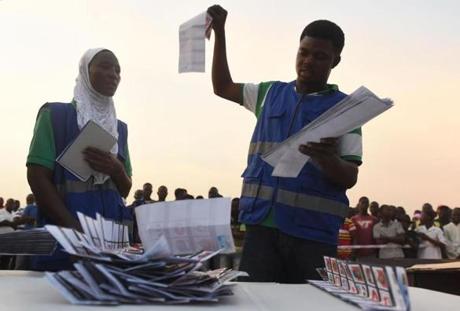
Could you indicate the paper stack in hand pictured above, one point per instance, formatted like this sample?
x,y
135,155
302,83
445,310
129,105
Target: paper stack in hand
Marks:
x,y
109,272
350,113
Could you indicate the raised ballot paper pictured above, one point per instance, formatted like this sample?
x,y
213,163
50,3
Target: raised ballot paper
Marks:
x,y
91,135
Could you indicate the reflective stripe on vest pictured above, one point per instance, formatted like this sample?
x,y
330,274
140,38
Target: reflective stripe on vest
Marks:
x,y
261,147
76,186
257,191
294,199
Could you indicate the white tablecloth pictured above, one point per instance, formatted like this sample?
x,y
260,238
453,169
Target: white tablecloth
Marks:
x,y
30,291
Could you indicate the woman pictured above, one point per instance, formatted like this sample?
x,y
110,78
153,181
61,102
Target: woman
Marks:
x,y
60,195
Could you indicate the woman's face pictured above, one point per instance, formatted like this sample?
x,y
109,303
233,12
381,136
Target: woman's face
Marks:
x,y
104,73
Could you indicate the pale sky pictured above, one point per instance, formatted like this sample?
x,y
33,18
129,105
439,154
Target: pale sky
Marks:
x,y
182,135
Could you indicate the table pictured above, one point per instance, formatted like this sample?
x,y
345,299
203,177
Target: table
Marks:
x,y
21,290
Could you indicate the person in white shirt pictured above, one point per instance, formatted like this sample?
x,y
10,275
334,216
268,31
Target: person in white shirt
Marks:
x,y
389,232
7,223
433,239
452,232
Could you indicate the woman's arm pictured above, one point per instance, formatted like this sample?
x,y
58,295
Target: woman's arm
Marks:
x,y
48,200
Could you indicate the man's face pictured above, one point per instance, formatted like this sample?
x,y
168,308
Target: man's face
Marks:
x,y
147,190
363,204
104,73
315,60
456,216
162,192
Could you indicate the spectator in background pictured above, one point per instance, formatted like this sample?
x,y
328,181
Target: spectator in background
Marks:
x,y
148,190
199,197
400,212
162,193
433,239
237,228
452,232
389,232
30,214
411,238
1,203
214,193
180,194
138,200
7,223
364,223
374,209
416,219
444,215
346,237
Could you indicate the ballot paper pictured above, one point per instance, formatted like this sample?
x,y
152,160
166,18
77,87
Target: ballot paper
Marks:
x,y
27,242
188,225
350,113
109,272
91,135
192,49
366,286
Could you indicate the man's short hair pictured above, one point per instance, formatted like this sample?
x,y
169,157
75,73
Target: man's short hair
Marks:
x,y
326,30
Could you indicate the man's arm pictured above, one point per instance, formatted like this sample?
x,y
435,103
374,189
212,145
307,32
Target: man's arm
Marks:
x,y
48,200
221,79
340,172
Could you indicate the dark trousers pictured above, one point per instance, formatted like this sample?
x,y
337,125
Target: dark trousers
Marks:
x,y
269,255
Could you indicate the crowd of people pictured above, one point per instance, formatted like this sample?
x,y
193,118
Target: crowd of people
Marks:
x,y
386,231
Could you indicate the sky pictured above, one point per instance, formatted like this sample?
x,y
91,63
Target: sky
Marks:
x,y
182,135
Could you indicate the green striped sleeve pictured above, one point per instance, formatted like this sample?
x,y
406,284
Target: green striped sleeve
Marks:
x,y
264,87
351,146
42,149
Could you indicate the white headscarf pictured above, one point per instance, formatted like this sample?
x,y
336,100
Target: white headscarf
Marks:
x,y
92,105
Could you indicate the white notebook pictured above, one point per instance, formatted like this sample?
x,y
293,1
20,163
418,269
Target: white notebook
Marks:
x,y
91,135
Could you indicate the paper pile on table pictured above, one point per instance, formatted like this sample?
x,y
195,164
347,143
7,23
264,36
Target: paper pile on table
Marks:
x,y
369,287
109,272
350,113
27,242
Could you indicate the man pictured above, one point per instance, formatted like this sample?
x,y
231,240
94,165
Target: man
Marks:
x,y
444,215
148,190
1,203
138,200
389,232
346,237
433,239
214,193
410,236
364,224
162,193
452,232
180,194
7,221
291,222
30,214
374,209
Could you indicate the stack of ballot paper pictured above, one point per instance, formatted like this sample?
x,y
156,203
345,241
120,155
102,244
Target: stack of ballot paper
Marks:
x,y
350,113
367,286
109,272
91,135
27,242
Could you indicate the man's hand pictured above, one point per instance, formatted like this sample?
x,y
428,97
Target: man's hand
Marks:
x,y
325,150
219,16
103,162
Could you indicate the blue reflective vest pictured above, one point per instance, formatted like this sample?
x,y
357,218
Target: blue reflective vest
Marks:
x,y
309,206
78,196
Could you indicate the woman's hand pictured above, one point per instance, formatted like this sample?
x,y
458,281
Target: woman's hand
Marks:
x,y
104,162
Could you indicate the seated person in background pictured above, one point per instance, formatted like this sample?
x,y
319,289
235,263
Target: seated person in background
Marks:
x,y
444,213
433,239
389,232
7,220
60,195
30,213
452,232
